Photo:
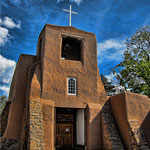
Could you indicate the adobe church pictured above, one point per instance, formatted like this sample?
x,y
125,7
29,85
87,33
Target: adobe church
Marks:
x,y
57,100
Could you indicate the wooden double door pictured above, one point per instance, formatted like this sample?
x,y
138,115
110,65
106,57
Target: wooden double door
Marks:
x,y
64,135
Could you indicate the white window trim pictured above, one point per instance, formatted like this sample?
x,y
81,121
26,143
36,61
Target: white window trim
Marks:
x,y
75,85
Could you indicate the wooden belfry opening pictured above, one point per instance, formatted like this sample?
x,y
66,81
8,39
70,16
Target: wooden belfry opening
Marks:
x,y
71,48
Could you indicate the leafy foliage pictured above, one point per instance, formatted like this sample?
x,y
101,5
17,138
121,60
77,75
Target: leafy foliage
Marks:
x,y
3,100
135,68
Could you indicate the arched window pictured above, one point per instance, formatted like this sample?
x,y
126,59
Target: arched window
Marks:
x,y
71,87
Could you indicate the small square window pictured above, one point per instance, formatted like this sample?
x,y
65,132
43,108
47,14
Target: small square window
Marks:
x,y
71,86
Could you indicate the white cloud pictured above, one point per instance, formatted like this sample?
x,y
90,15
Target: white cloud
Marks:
x,y
109,77
5,89
4,35
7,67
4,32
112,77
76,1
9,23
104,53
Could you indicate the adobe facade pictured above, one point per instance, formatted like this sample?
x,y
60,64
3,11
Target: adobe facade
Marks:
x,y
57,100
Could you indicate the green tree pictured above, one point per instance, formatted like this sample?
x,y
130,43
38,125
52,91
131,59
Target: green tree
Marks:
x,y
135,68
3,100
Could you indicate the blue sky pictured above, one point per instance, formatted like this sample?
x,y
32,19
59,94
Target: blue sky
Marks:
x,y
112,21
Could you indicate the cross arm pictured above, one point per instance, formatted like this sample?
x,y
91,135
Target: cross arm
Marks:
x,y
69,11
74,12
66,10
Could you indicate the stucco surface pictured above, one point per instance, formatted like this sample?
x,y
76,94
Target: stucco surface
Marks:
x,y
118,105
48,123
129,110
94,132
138,106
17,96
39,85
145,127
35,87
55,70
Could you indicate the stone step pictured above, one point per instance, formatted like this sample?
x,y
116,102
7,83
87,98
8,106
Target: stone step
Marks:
x,y
111,138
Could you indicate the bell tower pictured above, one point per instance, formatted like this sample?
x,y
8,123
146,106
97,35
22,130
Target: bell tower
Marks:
x,y
57,95
69,78
68,53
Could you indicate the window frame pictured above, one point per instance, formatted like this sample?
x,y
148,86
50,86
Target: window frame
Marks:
x,y
75,79
80,38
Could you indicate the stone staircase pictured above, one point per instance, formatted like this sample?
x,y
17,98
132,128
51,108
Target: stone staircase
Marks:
x,y
111,138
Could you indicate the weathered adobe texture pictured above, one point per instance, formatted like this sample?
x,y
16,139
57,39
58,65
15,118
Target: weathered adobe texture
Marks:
x,y
17,119
131,112
49,79
39,86
42,78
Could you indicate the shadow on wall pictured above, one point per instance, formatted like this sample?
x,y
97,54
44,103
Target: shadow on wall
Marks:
x,y
102,130
110,133
138,133
145,127
137,137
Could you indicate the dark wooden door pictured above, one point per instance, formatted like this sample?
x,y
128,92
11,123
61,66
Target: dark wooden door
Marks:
x,y
64,135
58,135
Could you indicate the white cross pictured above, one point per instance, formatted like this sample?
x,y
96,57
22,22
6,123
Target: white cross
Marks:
x,y
70,12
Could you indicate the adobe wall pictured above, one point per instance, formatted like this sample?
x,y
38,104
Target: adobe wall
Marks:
x,y
48,123
118,105
145,127
55,70
17,97
130,110
36,86
100,89
94,132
